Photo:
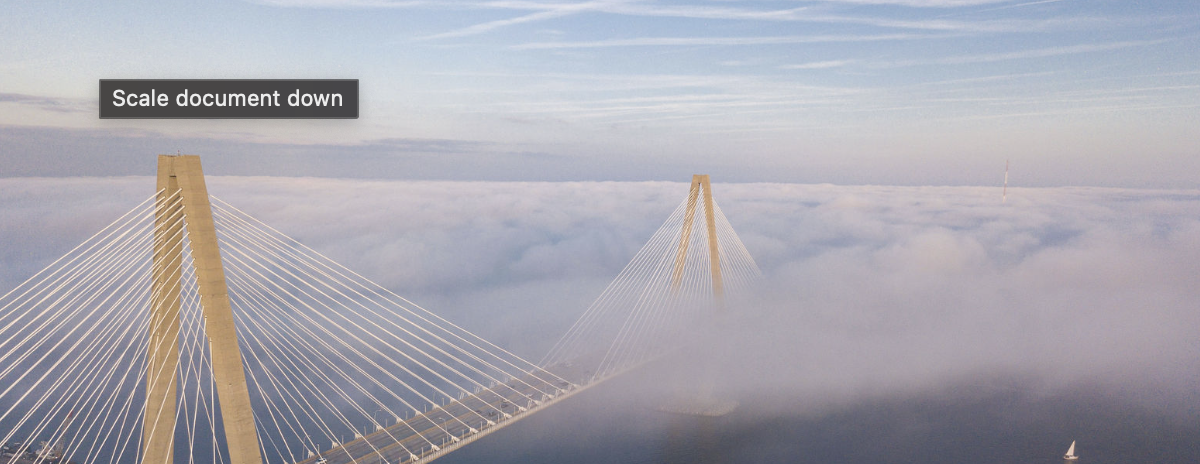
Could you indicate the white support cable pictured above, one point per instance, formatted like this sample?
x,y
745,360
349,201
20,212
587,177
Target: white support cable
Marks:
x,y
610,361
264,430
280,265
192,353
92,453
108,404
106,267
400,301
657,314
671,305
142,371
600,318
335,412
731,262
171,382
292,257
192,317
128,385
197,358
73,346
631,282
262,446
292,335
280,260
741,256
657,293
383,406
237,282
208,401
76,267
355,337
93,363
141,374
193,347
328,404
121,220
341,392
275,414
173,344
615,289
305,407
296,336
87,365
656,300
267,301
188,340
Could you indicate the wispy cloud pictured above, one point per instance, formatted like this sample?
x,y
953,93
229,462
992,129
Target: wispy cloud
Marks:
x,y
546,11
732,41
1024,54
55,104
704,12
541,11
491,25
921,3
975,26
347,3
1019,5
646,6
818,64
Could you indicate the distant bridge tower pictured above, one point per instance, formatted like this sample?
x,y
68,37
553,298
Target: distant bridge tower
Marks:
x,y
700,183
183,195
675,286
701,401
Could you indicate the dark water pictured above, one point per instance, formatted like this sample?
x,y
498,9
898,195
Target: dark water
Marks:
x,y
960,425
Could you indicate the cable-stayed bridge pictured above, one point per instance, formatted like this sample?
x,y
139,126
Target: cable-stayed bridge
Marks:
x,y
188,331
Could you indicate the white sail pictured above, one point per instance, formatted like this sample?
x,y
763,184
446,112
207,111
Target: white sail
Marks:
x,y
1071,450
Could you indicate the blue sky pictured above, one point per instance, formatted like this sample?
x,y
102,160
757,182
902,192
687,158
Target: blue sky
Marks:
x,y
1075,92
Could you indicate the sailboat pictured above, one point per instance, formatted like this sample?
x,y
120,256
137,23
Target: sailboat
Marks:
x,y
1070,456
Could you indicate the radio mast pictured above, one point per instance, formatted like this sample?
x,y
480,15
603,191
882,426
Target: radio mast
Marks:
x,y
1005,194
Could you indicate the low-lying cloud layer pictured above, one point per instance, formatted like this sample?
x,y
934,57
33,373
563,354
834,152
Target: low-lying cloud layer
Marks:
x,y
868,291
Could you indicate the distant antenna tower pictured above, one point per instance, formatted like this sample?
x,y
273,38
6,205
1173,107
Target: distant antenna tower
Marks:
x,y
1005,195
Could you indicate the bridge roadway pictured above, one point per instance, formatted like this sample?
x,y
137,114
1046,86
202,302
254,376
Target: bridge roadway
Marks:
x,y
438,431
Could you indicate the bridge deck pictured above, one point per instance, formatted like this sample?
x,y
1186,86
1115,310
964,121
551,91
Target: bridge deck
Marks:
x,y
429,435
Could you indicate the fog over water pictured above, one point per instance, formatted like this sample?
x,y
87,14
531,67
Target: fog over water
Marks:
x,y
894,324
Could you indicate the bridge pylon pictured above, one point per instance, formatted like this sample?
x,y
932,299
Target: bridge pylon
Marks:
x,y
182,194
700,186
701,400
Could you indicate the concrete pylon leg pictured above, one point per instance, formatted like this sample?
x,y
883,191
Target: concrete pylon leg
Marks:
x,y
158,428
685,235
714,254
227,369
